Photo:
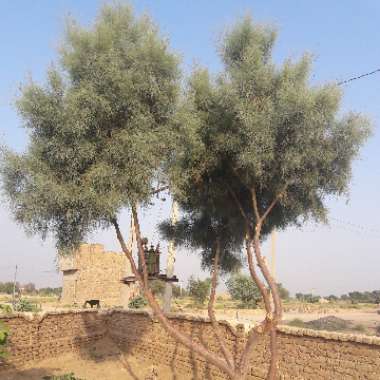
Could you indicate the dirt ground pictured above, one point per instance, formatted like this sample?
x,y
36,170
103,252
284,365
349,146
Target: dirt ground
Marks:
x,y
368,317
104,361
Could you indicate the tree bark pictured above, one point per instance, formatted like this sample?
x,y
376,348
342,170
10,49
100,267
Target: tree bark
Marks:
x,y
211,313
172,331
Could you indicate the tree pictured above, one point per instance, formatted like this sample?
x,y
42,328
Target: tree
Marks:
x,y
199,289
50,291
259,148
256,149
244,289
100,131
284,293
7,287
30,288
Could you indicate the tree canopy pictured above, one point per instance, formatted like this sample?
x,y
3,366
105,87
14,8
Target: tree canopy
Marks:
x,y
98,129
257,131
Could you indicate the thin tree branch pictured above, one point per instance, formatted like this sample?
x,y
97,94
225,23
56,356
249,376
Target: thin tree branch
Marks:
x,y
163,188
211,313
264,325
254,204
238,203
172,331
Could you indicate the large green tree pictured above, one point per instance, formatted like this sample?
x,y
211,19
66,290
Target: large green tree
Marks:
x,y
96,129
100,131
260,148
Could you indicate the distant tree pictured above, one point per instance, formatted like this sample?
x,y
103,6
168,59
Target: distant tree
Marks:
x,y
284,293
299,296
29,288
7,287
242,288
332,298
50,291
157,287
363,297
310,298
199,289
178,291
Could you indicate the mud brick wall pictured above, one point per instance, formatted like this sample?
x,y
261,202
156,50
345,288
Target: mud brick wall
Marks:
x,y
50,335
303,354
93,273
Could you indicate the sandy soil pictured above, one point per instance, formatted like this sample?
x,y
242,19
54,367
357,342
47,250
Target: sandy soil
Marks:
x,y
103,361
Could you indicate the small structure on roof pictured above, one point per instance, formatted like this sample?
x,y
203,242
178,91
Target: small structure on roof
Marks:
x,y
152,260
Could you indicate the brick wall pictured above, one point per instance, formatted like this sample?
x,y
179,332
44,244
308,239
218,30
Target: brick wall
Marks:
x,y
304,354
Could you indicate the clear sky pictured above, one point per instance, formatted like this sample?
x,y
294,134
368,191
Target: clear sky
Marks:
x,y
344,39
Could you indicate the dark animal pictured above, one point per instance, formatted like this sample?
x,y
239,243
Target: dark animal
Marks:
x,y
92,303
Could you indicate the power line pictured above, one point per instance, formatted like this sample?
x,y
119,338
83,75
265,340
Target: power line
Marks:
x,y
358,77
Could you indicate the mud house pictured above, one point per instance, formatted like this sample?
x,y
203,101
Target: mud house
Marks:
x,y
93,273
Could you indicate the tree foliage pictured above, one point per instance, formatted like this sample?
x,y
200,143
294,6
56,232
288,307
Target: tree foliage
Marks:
x,y
7,287
242,288
310,298
98,129
257,127
284,293
199,289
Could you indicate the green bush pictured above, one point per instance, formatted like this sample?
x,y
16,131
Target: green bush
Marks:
x,y
243,288
137,302
3,340
6,309
25,305
199,290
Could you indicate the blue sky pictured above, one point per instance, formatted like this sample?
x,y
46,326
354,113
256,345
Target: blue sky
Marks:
x,y
344,40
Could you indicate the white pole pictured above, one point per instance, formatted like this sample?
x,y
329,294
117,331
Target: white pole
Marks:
x,y
170,262
273,254
14,287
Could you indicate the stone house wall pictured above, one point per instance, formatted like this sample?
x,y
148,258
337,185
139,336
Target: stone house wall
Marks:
x,y
93,273
303,354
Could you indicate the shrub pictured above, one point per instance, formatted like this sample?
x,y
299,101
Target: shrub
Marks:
x,y
6,309
242,288
3,339
137,302
199,290
25,305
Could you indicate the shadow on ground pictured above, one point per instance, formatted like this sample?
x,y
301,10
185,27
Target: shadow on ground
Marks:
x,y
28,374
